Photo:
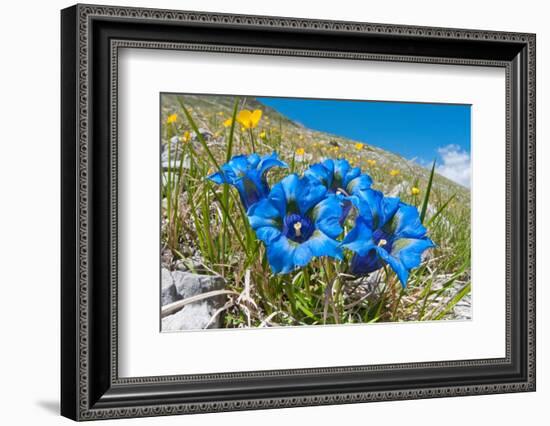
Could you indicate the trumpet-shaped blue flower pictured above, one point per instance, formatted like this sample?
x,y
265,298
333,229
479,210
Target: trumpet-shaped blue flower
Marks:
x,y
297,222
387,231
247,173
340,178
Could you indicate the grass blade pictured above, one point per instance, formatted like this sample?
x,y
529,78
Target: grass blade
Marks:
x,y
456,298
225,195
199,135
230,220
427,196
440,210
229,152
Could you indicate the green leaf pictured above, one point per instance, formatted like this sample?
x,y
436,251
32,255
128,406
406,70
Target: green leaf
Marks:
x,y
229,152
427,291
301,304
457,298
440,210
427,196
293,162
225,195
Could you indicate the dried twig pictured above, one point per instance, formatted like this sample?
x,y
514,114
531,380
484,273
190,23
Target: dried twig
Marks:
x,y
267,321
174,307
228,305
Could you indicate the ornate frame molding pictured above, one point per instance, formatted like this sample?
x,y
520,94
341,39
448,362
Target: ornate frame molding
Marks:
x,y
78,24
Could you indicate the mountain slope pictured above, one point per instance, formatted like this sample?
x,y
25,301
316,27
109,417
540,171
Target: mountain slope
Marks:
x,y
211,110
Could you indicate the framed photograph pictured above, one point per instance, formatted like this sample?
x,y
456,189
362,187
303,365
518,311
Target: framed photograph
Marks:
x,y
263,212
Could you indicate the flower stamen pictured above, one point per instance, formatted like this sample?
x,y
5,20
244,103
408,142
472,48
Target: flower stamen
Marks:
x,y
382,242
297,229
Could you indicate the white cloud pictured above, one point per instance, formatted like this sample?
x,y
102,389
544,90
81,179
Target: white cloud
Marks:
x,y
455,164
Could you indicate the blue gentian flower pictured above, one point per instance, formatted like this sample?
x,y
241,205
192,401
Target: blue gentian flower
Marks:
x,y
387,231
338,175
340,178
247,173
297,222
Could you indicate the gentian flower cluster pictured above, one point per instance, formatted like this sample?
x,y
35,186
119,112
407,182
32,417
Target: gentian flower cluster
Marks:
x,y
302,217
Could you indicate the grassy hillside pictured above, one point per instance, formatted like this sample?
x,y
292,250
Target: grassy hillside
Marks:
x,y
196,234
209,112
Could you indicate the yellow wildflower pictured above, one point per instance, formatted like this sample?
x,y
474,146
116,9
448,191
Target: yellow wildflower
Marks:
x,y
394,172
415,190
186,137
220,113
249,119
263,134
172,118
359,146
371,163
228,122
300,151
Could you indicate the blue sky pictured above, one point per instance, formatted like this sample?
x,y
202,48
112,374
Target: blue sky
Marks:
x,y
419,131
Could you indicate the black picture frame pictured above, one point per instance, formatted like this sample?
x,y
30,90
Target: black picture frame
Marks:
x,y
90,386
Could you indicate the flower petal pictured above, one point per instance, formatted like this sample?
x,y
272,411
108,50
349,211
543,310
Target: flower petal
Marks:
x,y
283,195
373,206
251,191
409,250
264,213
350,175
295,195
361,265
396,264
346,208
322,245
302,255
243,117
317,245
321,173
238,164
327,215
359,239
406,223
389,207
359,183
341,169
369,204
268,234
269,161
218,178
280,254
255,117
310,193
253,160
329,165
